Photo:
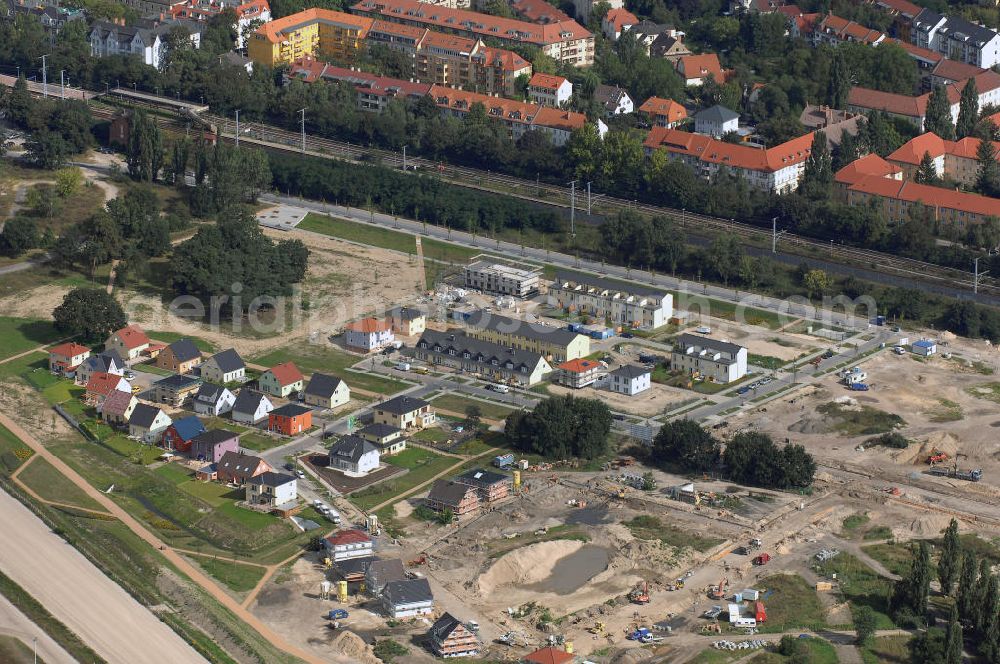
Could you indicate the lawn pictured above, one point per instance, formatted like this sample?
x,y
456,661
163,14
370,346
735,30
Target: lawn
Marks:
x,y
421,464
377,236
213,493
259,442
153,369
766,361
432,435
42,478
173,472
651,528
458,404
20,334
12,451
988,391
236,577
793,604
21,367
131,449
896,557
853,525
245,517
861,585
312,358
887,650
820,652
170,337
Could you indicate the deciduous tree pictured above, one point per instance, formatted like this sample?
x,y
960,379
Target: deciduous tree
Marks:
x,y
686,445
89,313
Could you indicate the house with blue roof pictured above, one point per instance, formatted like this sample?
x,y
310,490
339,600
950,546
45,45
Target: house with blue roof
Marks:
x,y
180,433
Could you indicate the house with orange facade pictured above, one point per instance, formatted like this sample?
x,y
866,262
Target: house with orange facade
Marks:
x,y
290,419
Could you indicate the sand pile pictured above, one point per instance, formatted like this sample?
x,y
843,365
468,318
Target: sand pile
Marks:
x,y
928,525
526,565
940,441
354,647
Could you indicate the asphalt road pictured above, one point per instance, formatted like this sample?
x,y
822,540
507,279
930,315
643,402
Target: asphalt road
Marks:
x,y
107,618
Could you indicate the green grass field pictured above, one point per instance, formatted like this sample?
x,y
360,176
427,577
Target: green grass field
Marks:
x,y
458,404
174,473
819,651
887,650
12,451
651,528
213,493
246,518
153,369
312,358
236,577
794,604
421,464
861,585
377,236
20,334
259,442
42,478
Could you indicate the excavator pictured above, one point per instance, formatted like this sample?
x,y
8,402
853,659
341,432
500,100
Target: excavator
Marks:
x,y
937,456
719,591
640,595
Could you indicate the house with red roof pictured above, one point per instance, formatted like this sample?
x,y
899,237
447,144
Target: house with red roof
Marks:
x,y
695,69
129,342
616,21
952,160
580,372
348,544
869,165
281,380
834,30
117,407
65,358
369,334
663,112
549,90
101,385
777,169
914,109
897,199
548,655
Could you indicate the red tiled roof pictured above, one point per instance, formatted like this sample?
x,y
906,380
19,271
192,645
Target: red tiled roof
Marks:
x,y
995,119
369,325
559,119
508,110
546,81
504,59
700,66
912,152
806,22
955,71
275,30
673,111
539,11
348,537
619,18
846,30
103,383
871,164
549,655
132,336
117,402
790,11
480,24
935,197
69,349
310,71
917,52
399,30
890,102
902,6
579,365
710,150
286,373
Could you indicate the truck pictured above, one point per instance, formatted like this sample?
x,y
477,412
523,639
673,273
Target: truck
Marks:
x,y
955,473
503,460
639,634
851,376
858,387
402,366
762,559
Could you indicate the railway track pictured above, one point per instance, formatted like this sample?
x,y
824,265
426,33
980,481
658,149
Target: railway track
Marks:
x,y
276,138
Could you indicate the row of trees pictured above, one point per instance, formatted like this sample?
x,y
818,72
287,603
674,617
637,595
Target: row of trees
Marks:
x,y
59,128
750,457
561,428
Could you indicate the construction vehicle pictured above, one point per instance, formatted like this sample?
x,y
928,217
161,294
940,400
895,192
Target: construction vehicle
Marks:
x,y
719,591
513,639
955,473
712,613
858,387
640,594
638,634
937,456
599,629
418,561
762,559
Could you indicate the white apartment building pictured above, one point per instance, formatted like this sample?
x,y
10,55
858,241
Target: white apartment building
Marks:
x,y
625,304
500,279
720,361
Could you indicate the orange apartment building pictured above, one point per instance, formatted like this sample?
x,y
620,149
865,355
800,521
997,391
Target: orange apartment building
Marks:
x,y
953,160
319,33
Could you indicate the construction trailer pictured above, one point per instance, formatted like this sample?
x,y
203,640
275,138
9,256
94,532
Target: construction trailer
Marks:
x,y
760,613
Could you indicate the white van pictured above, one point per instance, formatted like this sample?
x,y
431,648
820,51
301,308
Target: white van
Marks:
x,y
497,387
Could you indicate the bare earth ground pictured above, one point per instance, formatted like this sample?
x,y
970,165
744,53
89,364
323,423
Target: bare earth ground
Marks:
x,y
762,341
654,401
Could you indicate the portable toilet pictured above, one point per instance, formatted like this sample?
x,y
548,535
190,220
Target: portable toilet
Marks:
x,y
342,591
568,647
517,480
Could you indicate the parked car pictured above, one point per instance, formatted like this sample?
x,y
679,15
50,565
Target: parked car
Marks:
x,y
299,474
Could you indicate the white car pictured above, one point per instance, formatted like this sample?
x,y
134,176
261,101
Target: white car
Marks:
x,y
704,329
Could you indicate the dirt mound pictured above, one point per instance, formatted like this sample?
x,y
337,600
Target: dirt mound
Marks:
x,y
928,525
940,441
354,647
526,565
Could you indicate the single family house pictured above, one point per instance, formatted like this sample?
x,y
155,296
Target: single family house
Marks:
x,y
107,362
325,391
251,407
353,454
290,419
272,490
148,423
117,407
368,334
239,468
407,598
404,412
176,389
381,572
408,321
180,357
281,380
449,637
460,498
180,433
103,384
388,439
213,444
224,367
491,486
580,372
629,380
214,400
129,342
347,544
65,358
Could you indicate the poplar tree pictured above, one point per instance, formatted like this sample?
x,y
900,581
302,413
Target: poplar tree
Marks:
x,y
938,116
